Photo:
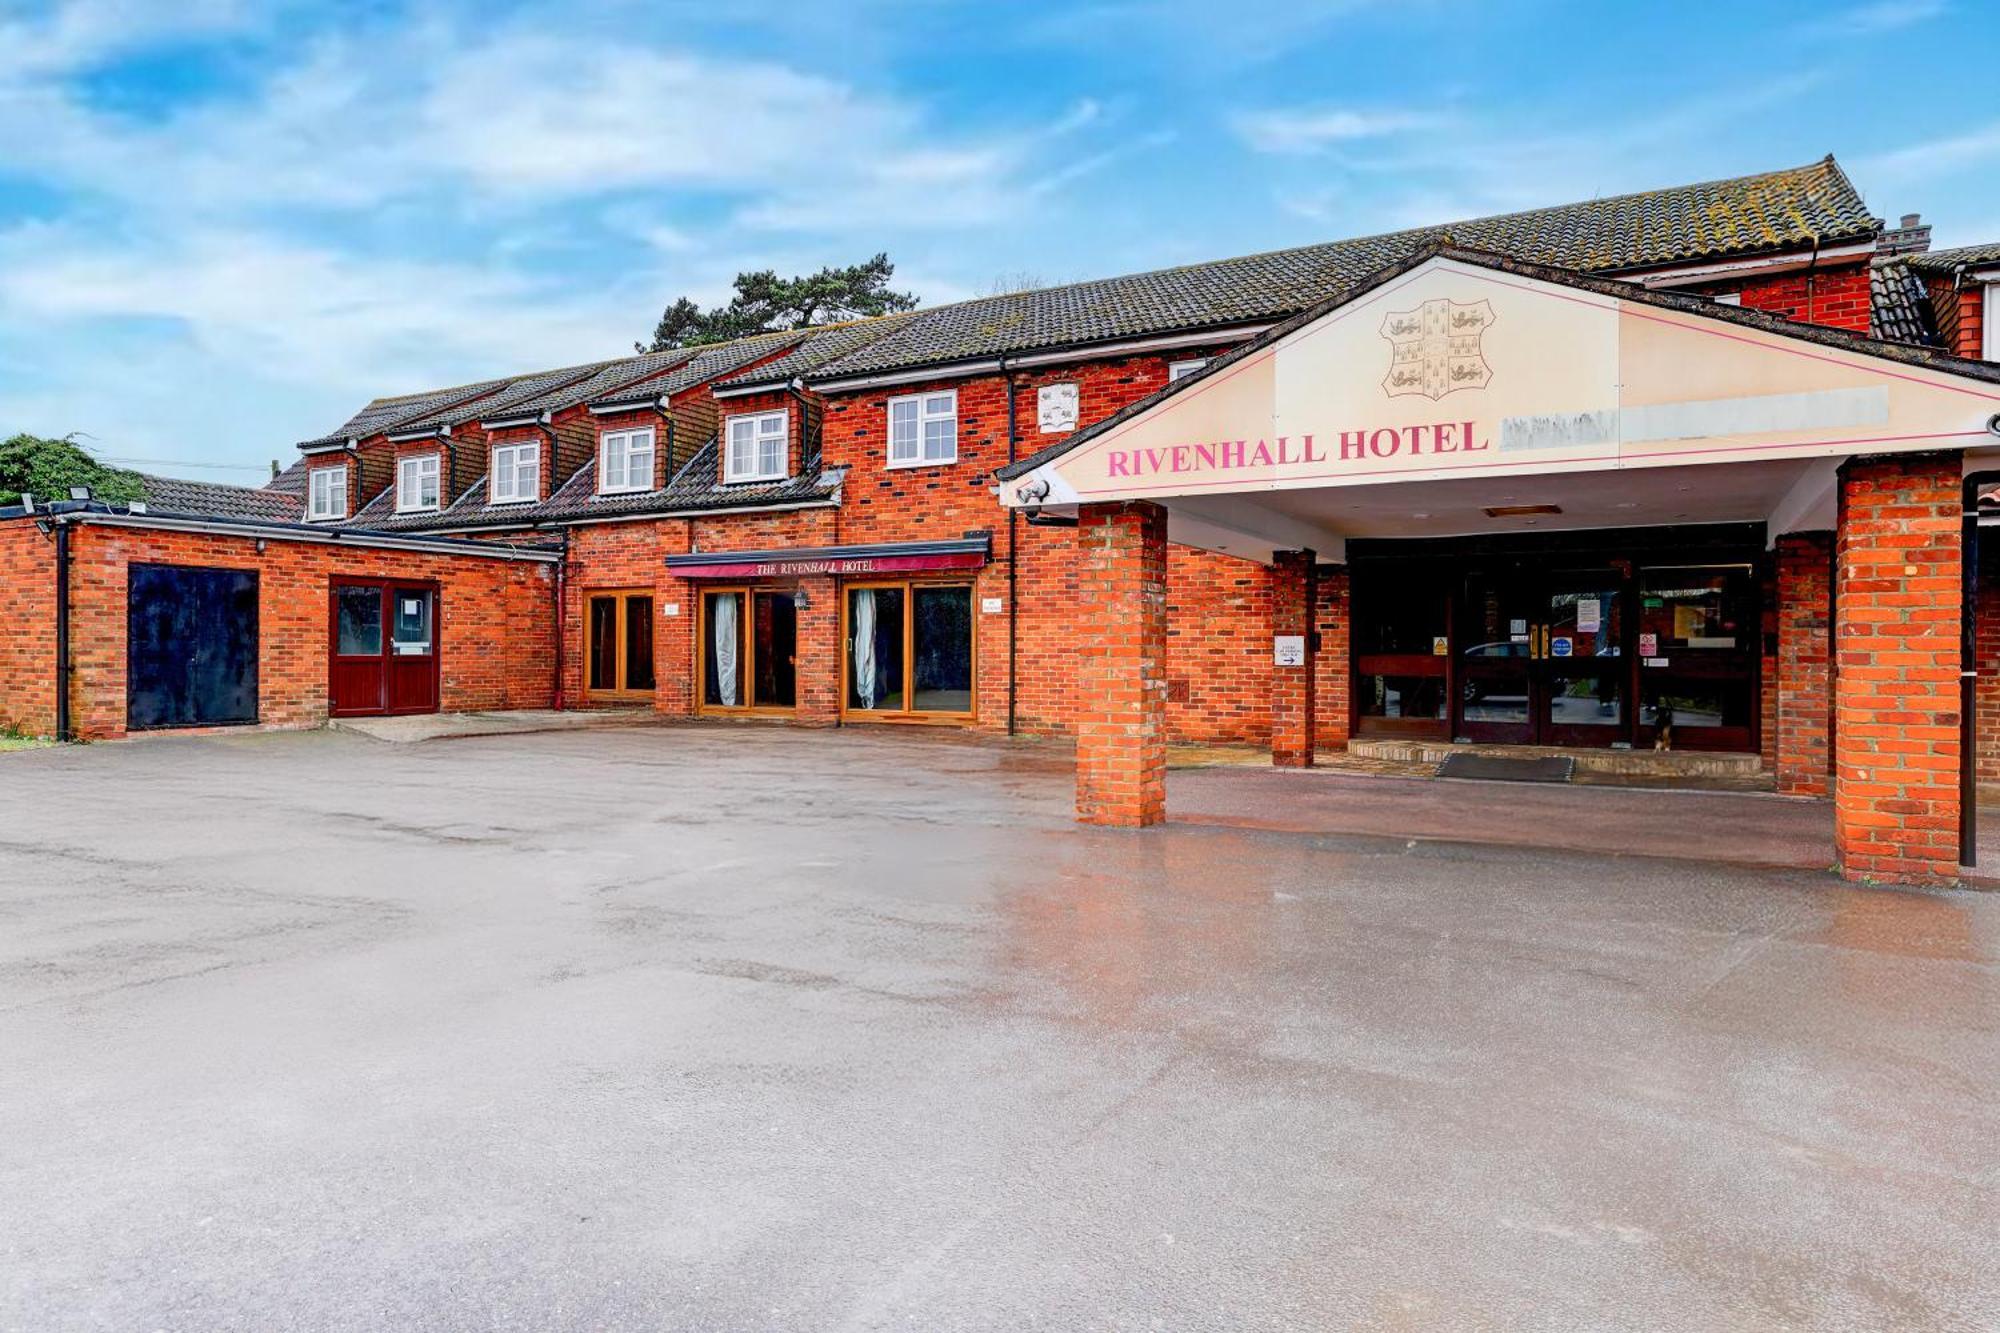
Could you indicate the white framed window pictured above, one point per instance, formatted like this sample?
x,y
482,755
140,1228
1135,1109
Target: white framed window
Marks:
x,y
1729,298
326,493
1180,370
516,474
923,429
757,447
416,484
1991,328
625,461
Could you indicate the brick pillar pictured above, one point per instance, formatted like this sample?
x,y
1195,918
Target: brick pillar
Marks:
x,y
1805,701
1294,692
1332,709
1121,635
1896,681
817,656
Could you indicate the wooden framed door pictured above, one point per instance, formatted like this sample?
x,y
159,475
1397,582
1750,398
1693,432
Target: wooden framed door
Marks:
x,y
909,652
748,650
618,661
383,648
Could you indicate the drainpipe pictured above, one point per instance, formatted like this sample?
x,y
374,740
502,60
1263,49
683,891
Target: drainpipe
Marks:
x,y
562,620
1013,566
64,732
1968,669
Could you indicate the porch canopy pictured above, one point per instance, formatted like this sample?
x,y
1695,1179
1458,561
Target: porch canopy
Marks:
x,y
1462,383
1463,394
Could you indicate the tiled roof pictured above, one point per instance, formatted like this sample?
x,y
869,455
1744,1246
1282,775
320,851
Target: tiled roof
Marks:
x,y
612,376
693,489
1681,301
505,399
1950,261
388,413
1900,305
1778,209
822,345
708,362
175,496
292,481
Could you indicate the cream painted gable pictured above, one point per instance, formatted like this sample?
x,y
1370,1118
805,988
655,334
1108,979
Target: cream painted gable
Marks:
x,y
1454,370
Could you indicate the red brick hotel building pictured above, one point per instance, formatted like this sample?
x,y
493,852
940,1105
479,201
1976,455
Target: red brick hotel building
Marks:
x,y
1698,467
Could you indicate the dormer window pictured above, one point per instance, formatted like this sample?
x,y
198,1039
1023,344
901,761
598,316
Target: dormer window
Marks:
x,y
326,493
417,484
625,461
1180,370
516,474
923,429
756,447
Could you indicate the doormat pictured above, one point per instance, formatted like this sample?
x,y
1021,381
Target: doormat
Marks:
x,y
1507,768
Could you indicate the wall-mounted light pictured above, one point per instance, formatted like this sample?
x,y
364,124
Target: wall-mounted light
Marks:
x,y
800,601
79,492
260,546
44,527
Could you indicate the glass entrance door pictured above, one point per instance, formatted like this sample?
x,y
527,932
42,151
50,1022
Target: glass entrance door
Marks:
x,y
749,650
1541,657
1498,632
1585,677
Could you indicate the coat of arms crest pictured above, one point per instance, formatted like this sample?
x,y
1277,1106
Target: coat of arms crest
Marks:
x,y
1436,348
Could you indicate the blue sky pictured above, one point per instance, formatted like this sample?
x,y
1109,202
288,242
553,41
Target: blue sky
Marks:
x,y
224,224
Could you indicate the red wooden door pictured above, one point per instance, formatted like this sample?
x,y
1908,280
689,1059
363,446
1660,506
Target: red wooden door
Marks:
x,y
383,656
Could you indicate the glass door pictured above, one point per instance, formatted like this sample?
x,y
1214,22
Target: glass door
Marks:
x,y
1498,634
384,650
749,650
1585,677
909,652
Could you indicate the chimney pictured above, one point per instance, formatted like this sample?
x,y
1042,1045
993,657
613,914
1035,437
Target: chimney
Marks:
x,y
275,469
1910,237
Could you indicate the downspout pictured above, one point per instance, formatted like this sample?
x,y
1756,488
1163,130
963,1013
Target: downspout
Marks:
x,y
561,622
1812,278
1013,566
64,732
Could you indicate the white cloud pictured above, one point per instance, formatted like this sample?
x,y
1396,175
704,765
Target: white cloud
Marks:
x,y
1881,16
1314,129
1933,158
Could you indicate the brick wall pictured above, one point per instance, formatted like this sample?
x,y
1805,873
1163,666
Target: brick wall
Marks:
x,y
1961,315
1803,754
1219,627
1294,612
28,643
1986,649
1896,679
1837,297
494,620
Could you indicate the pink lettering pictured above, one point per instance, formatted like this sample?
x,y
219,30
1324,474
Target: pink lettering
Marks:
x,y
1352,442
1262,456
1155,460
1313,455
1232,453
1447,438
1375,443
1417,439
1121,464
1180,458
1204,455
1471,443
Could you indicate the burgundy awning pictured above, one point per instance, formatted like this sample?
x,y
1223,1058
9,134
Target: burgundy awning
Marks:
x,y
884,558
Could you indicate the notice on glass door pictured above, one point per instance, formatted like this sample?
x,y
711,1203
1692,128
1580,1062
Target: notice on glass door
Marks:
x,y
1589,615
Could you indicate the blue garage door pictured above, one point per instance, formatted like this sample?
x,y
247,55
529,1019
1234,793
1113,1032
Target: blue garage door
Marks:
x,y
191,647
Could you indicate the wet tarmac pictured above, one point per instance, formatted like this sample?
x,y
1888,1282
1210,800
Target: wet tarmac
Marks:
x,y
739,1028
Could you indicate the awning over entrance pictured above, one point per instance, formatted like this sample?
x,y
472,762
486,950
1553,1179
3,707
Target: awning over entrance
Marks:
x,y
795,562
1467,394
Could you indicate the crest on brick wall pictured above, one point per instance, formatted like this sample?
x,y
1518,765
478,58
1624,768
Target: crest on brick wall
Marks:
x,y
1435,349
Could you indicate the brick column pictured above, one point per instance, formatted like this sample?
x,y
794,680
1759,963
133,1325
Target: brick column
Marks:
x,y
1986,647
1332,708
1121,636
1294,603
817,654
1805,702
1896,681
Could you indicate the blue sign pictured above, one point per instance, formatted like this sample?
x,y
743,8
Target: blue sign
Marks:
x,y
1559,647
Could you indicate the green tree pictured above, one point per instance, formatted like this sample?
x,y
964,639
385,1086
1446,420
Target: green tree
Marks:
x,y
765,303
46,469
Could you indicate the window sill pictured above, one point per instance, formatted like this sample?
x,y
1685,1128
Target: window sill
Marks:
x,y
756,481
624,491
923,462
523,500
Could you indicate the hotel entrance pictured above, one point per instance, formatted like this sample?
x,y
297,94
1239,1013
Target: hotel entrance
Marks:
x,y
1592,639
